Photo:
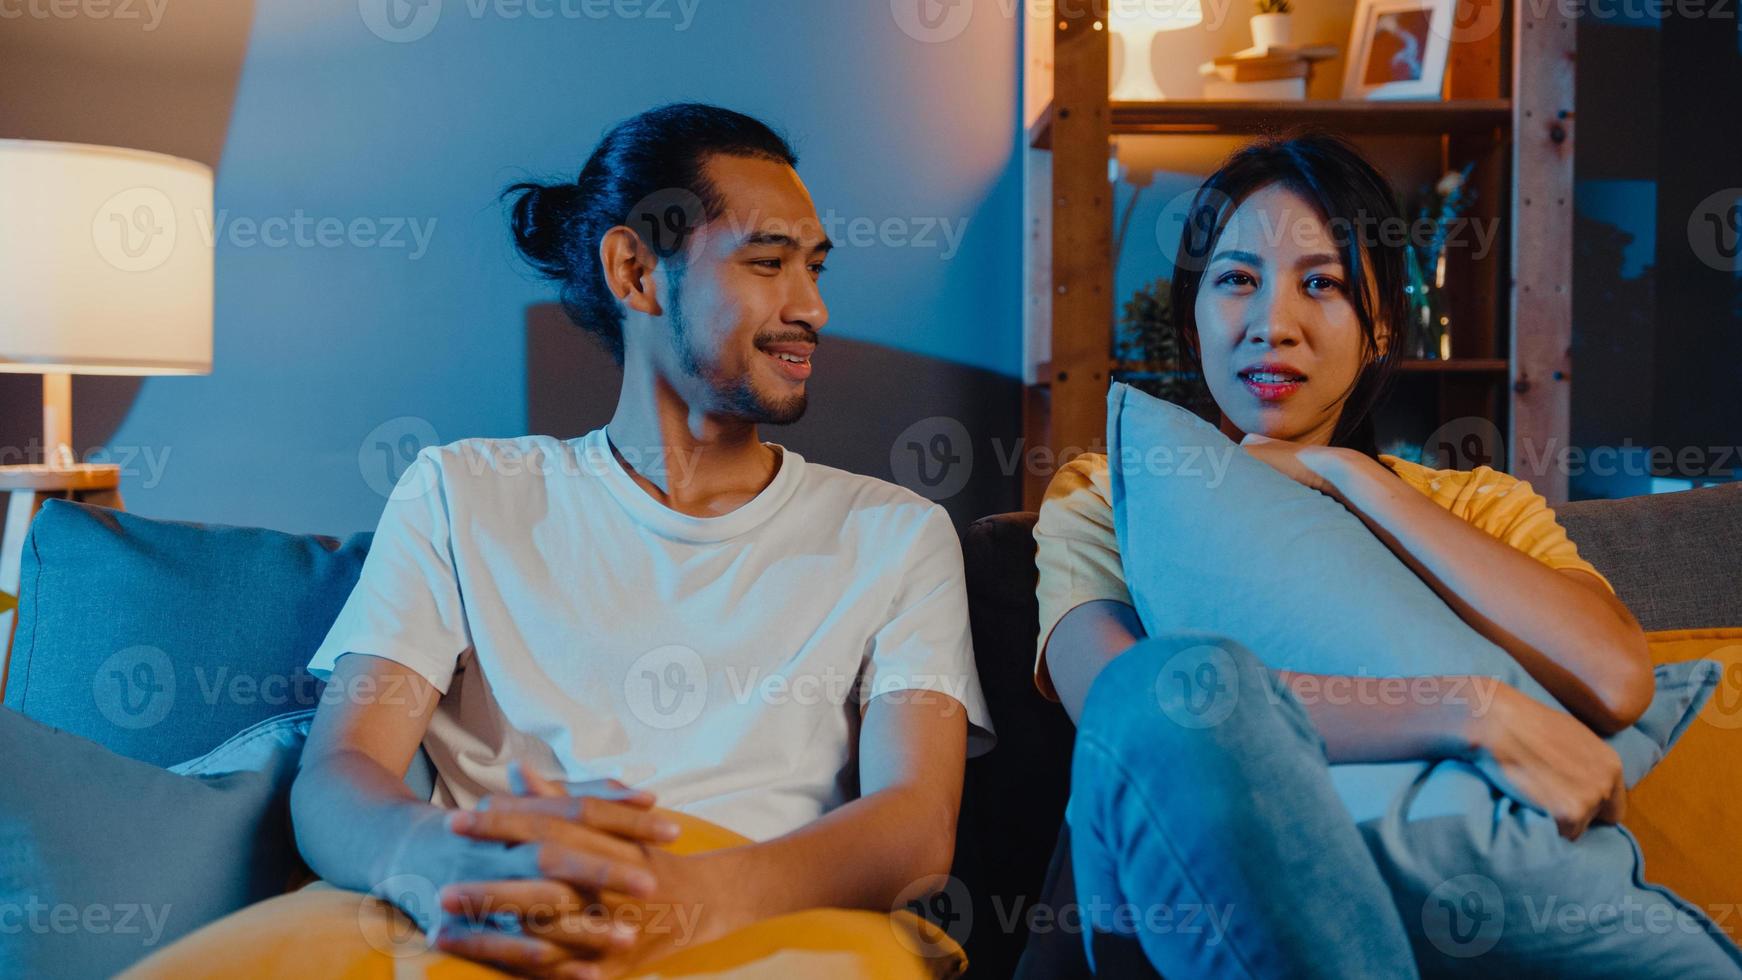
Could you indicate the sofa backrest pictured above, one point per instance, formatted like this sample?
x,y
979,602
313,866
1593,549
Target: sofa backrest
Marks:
x,y
1675,559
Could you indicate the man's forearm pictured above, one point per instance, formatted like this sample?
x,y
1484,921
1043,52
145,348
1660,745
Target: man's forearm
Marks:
x,y
865,854
356,824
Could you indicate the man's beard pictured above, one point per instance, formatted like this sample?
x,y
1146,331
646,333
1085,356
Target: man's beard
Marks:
x,y
734,396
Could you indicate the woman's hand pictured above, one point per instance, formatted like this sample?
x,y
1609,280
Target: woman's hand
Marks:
x,y
1305,464
1548,759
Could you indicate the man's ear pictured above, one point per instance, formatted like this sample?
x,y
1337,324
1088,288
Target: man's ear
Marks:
x,y
628,264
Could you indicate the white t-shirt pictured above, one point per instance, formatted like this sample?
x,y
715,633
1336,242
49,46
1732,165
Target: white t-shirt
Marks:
x,y
570,620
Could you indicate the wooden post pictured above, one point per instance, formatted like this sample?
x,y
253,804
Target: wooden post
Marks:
x,y
1082,232
1543,49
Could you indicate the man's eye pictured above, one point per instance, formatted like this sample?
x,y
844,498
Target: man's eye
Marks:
x,y
818,269
766,263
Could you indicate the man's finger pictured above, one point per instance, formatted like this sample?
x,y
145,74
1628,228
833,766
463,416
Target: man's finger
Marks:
x,y
523,781
608,817
611,789
526,955
546,909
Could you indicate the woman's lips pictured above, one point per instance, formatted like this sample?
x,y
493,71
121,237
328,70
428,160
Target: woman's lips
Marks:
x,y
1271,387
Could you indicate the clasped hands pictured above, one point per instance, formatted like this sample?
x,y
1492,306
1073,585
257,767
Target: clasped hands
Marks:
x,y
577,885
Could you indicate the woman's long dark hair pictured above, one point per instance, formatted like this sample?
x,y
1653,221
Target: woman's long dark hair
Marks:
x,y
652,163
1355,201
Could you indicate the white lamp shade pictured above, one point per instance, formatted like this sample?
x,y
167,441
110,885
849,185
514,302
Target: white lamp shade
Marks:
x,y
105,261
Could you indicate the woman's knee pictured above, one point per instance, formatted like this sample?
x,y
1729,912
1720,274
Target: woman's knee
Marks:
x,y
1194,691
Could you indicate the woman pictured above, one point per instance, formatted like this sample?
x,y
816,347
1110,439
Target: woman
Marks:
x,y
1289,292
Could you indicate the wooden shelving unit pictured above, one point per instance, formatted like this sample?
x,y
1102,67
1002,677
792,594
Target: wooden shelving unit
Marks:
x,y
1203,118
1507,106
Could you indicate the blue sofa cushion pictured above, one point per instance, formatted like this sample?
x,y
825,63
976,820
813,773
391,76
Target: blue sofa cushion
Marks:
x,y
160,639
107,859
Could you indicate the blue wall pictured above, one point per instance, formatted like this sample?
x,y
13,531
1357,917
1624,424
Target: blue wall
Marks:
x,y
318,347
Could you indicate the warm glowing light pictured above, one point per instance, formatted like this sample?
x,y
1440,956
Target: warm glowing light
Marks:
x,y
1137,24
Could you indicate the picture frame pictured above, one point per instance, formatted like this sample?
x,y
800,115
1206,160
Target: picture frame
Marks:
x,y
1397,49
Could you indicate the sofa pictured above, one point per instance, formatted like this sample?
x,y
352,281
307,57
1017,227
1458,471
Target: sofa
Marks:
x,y
211,605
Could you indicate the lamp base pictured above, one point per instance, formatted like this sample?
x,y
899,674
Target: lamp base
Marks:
x,y
1137,76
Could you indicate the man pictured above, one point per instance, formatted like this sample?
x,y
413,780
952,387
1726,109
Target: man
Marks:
x,y
775,646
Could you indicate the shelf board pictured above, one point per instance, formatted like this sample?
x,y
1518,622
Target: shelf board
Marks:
x,y
1216,118
1456,365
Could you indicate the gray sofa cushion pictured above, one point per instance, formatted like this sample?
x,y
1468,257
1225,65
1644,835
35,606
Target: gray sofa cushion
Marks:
x,y
108,859
1674,558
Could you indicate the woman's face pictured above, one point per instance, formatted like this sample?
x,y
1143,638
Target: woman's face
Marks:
x,y
1277,332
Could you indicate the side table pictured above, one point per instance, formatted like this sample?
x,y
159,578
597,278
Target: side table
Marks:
x,y
23,489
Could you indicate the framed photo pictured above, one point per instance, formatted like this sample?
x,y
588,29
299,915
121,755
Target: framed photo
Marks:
x,y
1397,49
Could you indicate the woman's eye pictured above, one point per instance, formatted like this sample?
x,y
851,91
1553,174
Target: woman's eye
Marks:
x,y
1324,282
1236,279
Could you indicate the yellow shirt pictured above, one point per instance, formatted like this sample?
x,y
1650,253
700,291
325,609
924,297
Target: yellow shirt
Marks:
x,y
1078,551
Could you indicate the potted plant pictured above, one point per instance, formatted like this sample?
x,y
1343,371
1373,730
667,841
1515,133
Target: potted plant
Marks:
x,y
1271,25
1152,355
1429,335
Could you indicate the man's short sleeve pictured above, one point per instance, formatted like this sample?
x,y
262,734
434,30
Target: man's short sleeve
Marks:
x,y
926,643
406,604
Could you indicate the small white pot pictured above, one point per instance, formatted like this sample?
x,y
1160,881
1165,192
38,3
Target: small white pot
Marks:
x,y
1272,30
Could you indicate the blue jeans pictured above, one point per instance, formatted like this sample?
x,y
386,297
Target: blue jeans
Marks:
x,y
1206,837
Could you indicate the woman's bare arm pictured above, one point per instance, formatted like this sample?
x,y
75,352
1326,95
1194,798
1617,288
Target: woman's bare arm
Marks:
x,y
1361,719
1562,626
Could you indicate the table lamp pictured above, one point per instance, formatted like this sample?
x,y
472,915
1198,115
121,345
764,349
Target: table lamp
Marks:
x,y
105,268
1137,23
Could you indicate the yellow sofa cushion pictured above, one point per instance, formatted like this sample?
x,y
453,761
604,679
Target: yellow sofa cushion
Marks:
x,y
321,931
1685,813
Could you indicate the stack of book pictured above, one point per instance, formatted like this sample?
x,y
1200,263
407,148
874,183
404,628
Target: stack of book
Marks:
x,y
1263,74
